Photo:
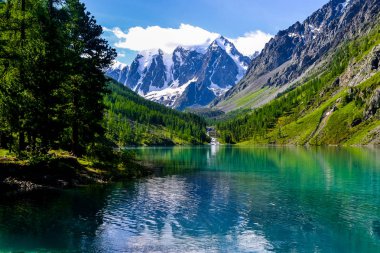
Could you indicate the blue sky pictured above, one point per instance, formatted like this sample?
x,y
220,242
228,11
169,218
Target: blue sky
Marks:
x,y
230,18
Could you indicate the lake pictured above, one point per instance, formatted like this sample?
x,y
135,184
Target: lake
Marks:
x,y
212,199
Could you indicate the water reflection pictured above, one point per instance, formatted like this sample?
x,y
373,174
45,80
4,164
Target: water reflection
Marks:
x,y
51,219
214,199
292,196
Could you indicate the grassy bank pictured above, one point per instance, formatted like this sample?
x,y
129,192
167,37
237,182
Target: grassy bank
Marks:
x,y
59,169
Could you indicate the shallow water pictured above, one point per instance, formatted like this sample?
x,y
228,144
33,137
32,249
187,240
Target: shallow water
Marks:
x,y
212,199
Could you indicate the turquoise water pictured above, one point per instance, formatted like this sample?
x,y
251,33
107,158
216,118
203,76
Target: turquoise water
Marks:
x,y
212,199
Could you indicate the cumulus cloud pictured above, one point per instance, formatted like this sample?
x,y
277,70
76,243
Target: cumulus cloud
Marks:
x,y
251,42
167,39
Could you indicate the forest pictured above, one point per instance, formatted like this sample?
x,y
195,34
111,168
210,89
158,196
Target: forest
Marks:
x,y
53,92
132,120
52,84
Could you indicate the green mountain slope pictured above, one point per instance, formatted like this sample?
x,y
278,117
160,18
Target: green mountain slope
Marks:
x,y
337,104
132,120
296,52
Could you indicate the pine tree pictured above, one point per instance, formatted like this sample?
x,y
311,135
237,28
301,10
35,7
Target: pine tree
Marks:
x,y
16,63
89,55
51,61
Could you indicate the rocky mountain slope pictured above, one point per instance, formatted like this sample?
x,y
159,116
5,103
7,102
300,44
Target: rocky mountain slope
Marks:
x,y
292,53
334,101
186,78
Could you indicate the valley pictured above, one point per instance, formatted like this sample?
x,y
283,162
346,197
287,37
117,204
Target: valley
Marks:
x,y
147,130
303,73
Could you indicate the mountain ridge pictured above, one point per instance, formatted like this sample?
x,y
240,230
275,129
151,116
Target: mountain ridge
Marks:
x,y
187,77
295,50
334,101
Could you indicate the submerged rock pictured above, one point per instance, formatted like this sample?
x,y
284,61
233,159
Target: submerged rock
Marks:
x,y
376,228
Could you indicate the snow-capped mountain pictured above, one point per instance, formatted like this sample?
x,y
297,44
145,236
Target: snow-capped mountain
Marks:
x,y
187,77
118,71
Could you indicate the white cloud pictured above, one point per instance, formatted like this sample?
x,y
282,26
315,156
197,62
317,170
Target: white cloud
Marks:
x,y
251,42
167,39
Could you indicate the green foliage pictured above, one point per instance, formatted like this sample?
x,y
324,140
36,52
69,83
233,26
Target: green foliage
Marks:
x,y
245,100
296,114
52,86
53,93
133,120
89,54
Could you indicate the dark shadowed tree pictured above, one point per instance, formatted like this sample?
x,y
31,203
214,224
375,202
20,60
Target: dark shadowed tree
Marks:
x,y
52,85
89,55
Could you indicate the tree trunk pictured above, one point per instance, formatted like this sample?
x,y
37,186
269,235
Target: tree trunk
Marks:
x,y
21,138
3,141
23,28
75,126
51,8
21,141
75,138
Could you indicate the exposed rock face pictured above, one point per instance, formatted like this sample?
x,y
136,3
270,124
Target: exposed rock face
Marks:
x,y
187,63
153,76
118,72
374,104
133,76
373,138
357,72
222,66
195,94
292,51
186,78
375,62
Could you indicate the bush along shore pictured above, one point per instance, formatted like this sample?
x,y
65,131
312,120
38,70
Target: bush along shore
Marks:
x,y
62,170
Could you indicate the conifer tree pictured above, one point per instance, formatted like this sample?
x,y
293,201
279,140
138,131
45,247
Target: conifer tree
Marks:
x,y
89,55
52,85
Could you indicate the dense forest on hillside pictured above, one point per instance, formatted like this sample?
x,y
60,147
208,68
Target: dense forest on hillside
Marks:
x,y
320,110
132,120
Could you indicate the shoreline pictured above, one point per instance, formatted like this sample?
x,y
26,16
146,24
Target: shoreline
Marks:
x,y
67,172
64,172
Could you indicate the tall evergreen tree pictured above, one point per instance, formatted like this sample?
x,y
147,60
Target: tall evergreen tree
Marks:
x,y
52,85
17,63
89,55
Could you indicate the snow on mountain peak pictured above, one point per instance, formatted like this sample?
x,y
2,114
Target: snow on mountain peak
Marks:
x,y
235,55
118,65
221,42
165,77
347,2
343,6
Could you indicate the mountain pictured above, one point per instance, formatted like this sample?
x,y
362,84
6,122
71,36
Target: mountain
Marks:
x,y
316,83
293,52
188,77
118,71
133,120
